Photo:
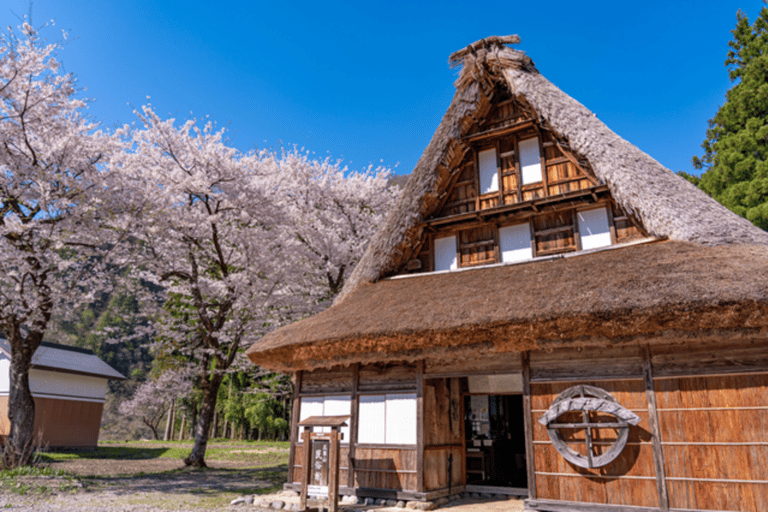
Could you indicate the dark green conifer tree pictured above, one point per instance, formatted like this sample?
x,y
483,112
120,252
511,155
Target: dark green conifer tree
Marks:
x,y
735,157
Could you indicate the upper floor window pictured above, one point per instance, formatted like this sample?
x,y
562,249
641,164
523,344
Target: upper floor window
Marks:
x,y
594,229
530,160
445,253
489,175
515,243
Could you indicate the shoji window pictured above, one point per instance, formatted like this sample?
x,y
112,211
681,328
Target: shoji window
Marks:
x,y
530,160
387,419
594,229
515,243
489,175
445,253
326,406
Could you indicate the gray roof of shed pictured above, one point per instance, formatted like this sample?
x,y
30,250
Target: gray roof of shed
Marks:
x,y
63,358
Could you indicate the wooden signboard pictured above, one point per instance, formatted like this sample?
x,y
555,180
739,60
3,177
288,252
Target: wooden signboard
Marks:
x,y
320,472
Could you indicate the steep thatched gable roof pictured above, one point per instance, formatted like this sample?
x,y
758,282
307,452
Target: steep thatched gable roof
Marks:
x,y
665,204
706,280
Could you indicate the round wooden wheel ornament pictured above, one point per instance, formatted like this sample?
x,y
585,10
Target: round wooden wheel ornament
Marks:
x,y
591,402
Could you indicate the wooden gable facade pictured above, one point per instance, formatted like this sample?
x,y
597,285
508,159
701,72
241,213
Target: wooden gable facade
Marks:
x,y
513,183
548,313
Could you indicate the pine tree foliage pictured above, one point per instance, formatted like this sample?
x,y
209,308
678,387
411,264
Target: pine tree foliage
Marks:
x,y
735,156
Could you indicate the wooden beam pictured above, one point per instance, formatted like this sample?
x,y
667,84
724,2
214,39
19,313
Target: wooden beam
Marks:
x,y
567,153
525,363
653,419
354,409
575,506
295,411
420,425
499,132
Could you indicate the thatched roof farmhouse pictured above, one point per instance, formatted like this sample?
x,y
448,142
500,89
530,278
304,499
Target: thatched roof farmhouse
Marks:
x,y
557,314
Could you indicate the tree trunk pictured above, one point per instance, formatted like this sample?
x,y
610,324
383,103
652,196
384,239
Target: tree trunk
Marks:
x,y
207,408
21,404
215,426
183,428
192,420
168,436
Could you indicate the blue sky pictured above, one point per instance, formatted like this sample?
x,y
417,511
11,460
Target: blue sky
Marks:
x,y
369,81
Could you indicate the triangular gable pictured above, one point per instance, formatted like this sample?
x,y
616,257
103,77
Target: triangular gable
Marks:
x,y
641,195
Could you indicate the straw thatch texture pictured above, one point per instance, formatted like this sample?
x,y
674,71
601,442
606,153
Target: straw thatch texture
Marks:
x,y
666,205
674,291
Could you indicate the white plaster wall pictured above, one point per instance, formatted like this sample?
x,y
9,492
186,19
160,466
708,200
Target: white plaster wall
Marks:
x,y
5,374
67,385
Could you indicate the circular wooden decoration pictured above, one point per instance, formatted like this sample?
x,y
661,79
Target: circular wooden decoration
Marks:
x,y
596,409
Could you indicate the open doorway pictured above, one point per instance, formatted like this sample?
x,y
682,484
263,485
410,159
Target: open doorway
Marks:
x,y
495,442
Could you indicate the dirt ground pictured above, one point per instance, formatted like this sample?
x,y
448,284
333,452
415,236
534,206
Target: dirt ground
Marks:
x,y
154,484
148,482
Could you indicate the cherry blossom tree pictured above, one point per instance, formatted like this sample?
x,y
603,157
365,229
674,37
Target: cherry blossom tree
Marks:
x,y
206,227
52,204
333,212
153,397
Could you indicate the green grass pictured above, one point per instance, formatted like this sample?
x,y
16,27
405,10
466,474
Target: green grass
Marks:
x,y
216,450
26,480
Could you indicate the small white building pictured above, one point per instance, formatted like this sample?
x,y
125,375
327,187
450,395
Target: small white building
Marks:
x,y
68,385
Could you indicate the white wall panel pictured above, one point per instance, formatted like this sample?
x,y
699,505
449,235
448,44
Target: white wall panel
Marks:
x,y
339,406
530,160
67,385
372,419
594,229
5,374
489,175
445,253
401,419
515,243
310,406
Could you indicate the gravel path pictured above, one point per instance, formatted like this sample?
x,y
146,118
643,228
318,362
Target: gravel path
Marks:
x,y
175,489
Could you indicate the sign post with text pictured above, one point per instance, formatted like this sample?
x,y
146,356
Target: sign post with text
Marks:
x,y
320,470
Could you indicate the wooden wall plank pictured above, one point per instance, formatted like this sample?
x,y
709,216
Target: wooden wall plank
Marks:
x,y
387,377
674,361
436,465
714,438
377,468
488,363
327,381
630,480
586,364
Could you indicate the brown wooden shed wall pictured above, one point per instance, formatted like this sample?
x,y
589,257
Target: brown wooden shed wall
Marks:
x,y
61,423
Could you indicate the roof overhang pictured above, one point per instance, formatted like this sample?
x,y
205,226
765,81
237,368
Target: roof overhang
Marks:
x,y
666,292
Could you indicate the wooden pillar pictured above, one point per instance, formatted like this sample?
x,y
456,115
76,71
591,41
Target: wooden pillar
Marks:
x,y
653,419
354,410
333,477
306,468
295,410
525,363
420,426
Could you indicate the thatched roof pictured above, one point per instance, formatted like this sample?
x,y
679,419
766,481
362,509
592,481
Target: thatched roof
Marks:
x,y
661,289
710,275
665,204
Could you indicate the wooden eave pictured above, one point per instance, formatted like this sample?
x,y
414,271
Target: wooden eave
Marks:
x,y
500,131
533,204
